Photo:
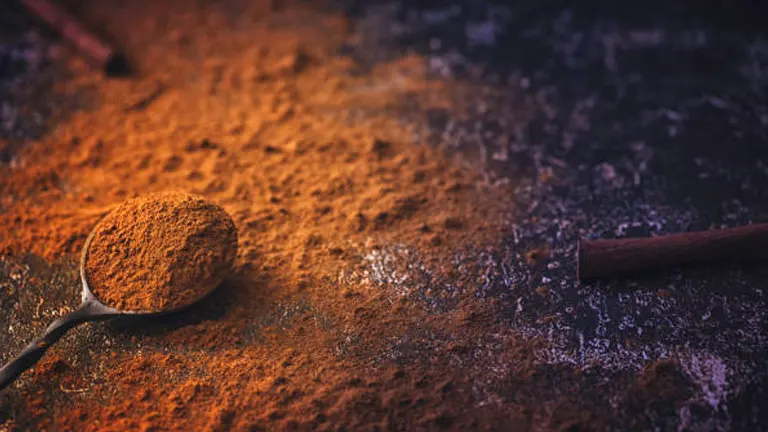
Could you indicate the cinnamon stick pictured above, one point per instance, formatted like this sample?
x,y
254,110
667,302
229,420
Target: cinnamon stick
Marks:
x,y
106,57
603,258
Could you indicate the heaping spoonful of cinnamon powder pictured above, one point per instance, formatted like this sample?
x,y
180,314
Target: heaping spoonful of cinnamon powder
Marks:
x,y
153,254
160,252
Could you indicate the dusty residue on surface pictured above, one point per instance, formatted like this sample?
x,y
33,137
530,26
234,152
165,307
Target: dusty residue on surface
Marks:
x,y
408,209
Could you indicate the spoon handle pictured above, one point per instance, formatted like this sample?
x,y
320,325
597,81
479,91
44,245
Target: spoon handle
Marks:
x,y
33,352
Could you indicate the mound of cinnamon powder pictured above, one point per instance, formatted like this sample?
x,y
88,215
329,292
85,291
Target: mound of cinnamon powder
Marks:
x,y
160,251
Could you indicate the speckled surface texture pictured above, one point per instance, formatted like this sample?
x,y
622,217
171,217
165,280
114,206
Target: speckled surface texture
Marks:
x,y
610,121
615,121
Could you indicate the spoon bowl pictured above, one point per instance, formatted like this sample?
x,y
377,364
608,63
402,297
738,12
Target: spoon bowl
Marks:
x,y
90,299
91,309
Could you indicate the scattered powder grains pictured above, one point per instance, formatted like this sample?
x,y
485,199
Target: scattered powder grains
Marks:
x,y
322,180
160,252
351,305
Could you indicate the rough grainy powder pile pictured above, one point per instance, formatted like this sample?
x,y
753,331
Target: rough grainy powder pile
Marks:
x,y
160,252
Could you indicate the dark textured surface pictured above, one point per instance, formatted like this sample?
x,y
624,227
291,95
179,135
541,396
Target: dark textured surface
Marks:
x,y
615,121
612,121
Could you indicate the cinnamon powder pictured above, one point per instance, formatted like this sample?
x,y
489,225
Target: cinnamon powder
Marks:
x,y
160,252
320,176
351,308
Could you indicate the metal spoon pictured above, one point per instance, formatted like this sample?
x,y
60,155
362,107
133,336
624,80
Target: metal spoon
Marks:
x,y
91,309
